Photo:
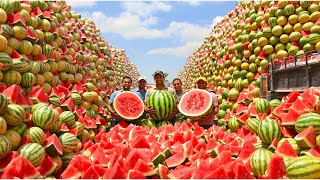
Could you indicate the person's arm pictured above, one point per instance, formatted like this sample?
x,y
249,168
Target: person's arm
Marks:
x,y
109,105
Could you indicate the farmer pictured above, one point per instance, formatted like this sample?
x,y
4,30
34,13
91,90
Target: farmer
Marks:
x,y
141,91
126,84
177,85
158,77
202,83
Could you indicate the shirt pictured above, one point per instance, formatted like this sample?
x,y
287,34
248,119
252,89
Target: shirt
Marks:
x,y
179,115
150,91
113,95
142,95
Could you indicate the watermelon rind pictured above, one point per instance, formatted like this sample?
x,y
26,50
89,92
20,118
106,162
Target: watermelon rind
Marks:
x,y
128,104
159,158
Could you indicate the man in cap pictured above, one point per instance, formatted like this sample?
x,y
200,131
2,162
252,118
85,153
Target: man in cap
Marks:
x,y
126,84
141,91
177,85
202,84
158,77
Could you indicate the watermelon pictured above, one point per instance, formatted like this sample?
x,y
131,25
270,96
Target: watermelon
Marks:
x,y
285,149
259,161
307,138
4,162
47,167
20,168
163,103
144,168
33,152
276,168
135,174
196,104
269,130
163,171
53,146
304,167
90,173
175,160
128,105
306,120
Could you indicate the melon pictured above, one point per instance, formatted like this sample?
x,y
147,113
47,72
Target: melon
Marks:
x,y
196,104
128,105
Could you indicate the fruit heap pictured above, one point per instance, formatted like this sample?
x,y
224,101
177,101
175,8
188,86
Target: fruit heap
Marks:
x,y
239,49
56,73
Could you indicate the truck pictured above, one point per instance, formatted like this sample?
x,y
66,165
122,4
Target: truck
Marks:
x,y
291,73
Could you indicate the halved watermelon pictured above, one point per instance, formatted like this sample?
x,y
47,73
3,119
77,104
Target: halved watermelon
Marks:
x,y
128,105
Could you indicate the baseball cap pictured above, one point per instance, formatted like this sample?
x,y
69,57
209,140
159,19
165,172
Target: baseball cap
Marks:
x,y
158,72
142,78
202,78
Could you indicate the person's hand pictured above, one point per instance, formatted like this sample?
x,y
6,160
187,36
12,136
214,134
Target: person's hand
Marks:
x,y
151,111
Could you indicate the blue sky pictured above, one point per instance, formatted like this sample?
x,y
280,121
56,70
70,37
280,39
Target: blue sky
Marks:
x,y
155,34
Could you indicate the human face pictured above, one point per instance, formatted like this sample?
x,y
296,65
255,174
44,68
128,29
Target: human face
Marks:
x,y
202,84
142,84
177,85
159,79
126,83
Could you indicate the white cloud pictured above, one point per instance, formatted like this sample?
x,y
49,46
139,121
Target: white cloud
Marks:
x,y
216,20
144,9
181,51
193,3
81,3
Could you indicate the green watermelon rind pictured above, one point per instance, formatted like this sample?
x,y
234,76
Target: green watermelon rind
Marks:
x,y
304,167
306,120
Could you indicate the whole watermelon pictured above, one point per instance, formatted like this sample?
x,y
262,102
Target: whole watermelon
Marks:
x,y
163,103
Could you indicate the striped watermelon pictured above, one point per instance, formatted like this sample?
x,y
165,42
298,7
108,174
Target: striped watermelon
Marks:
x,y
70,142
11,77
259,161
33,152
289,10
5,146
68,118
28,79
274,103
272,22
269,130
36,135
253,124
262,105
7,7
292,142
76,97
6,61
25,47
3,125
20,66
14,138
66,158
3,102
54,101
14,114
34,67
304,167
80,128
163,103
306,120
20,128
43,117
314,38
233,124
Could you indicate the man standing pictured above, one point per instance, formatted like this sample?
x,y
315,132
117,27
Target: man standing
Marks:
x,y
141,91
202,84
177,85
126,84
159,79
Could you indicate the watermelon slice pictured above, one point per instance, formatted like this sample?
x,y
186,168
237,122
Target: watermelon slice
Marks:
x,y
285,149
21,168
47,167
241,172
67,105
292,97
291,118
53,146
307,138
71,173
144,168
163,171
276,168
300,106
247,149
278,111
11,93
100,157
219,173
313,152
134,174
175,160
40,96
91,173
4,162
140,142
181,173
21,100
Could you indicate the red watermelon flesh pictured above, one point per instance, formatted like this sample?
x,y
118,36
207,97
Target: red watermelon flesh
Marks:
x,y
182,173
115,172
67,105
252,110
300,106
287,132
128,105
100,170
144,168
47,167
175,160
278,111
4,162
307,138
40,96
163,171
241,172
11,93
197,130
90,173
291,118
140,142
243,118
225,157
100,157
285,149
53,146
135,155
292,96
219,173
273,146
276,168
134,174
313,152
247,149
23,169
